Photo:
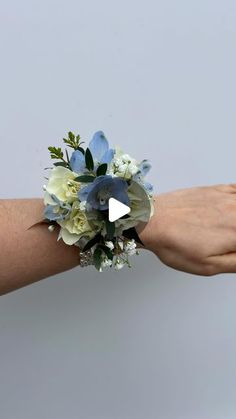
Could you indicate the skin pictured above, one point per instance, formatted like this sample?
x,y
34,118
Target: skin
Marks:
x,y
192,230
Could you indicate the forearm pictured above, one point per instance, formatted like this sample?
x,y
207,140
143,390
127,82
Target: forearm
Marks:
x,y
26,256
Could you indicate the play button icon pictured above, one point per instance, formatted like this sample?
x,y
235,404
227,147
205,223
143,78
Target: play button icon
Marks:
x,y
117,209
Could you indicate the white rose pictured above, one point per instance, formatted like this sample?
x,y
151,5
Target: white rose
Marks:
x,y
62,184
76,226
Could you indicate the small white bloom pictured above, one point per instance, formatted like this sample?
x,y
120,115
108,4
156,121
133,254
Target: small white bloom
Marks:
x,y
106,262
109,244
119,266
130,247
121,244
119,263
82,205
133,169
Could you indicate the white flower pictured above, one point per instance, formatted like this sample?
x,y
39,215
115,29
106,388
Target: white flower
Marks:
x,y
109,244
76,226
119,265
130,247
120,261
106,262
62,184
133,168
121,244
123,165
82,205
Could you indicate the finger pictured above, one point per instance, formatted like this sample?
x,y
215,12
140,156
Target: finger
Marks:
x,y
223,263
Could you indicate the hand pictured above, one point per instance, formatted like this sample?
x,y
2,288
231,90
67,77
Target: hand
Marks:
x,y
194,229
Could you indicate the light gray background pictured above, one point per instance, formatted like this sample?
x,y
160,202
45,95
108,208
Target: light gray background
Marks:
x,y
159,78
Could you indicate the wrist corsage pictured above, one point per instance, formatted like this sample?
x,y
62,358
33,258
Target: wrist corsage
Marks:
x,y
97,195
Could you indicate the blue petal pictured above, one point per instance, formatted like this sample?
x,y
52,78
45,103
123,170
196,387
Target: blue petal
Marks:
x,y
50,215
108,156
105,186
144,167
98,145
77,161
148,186
83,193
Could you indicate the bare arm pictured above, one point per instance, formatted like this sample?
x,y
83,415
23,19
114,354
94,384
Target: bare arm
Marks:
x,y
26,256
192,230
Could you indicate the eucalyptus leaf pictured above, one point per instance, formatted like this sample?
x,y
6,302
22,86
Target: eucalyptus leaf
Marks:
x,y
89,159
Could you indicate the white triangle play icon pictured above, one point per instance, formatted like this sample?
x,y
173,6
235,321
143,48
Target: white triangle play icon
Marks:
x,y
117,209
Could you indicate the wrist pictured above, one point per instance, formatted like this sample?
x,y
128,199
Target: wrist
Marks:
x,y
149,232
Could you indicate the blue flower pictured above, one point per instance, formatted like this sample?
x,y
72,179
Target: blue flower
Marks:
x,y
100,150
97,194
144,168
58,211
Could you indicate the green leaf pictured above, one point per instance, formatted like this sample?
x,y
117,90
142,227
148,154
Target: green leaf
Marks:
x,y
110,228
131,233
92,242
85,178
71,136
107,251
97,258
89,159
80,149
56,152
61,163
101,170
67,156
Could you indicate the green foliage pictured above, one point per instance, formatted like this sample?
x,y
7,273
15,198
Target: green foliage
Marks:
x,y
73,141
92,242
107,251
110,228
89,160
61,163
101,170
97,258
131,233
56,152
85,178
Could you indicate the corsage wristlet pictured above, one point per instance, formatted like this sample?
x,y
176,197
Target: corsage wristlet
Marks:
x,y
97,196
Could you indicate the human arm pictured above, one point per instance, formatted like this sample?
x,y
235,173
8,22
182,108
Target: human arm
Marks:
x,y
27,256
192,230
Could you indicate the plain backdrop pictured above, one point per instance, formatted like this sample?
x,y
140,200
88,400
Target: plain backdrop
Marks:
x,y
158,77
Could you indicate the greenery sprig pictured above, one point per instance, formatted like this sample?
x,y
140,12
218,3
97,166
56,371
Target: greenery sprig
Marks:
x,y
73,141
